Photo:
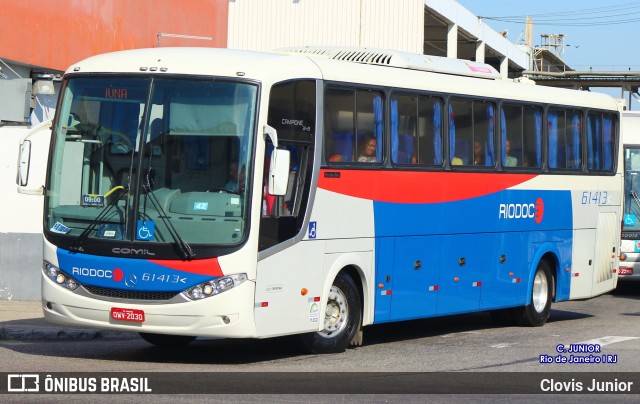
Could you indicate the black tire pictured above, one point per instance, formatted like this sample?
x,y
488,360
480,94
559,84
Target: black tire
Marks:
x,y
167,341
342,319
536,313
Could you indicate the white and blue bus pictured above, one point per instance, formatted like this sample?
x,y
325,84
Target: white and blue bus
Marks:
x,y
212,192
630,244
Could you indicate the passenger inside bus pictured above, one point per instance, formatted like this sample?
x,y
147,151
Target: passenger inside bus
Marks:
x,y
510,161
478,154
236,177
368,150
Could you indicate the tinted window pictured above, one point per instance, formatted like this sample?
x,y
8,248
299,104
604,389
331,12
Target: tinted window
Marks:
x,y
471,133
353,125
416,136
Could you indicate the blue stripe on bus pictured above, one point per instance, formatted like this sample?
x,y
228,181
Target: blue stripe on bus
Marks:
x,y
126,273
469,255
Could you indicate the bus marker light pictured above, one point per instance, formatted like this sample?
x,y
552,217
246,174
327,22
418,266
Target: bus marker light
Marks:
x,y
456,279
381,285
510,273
476,284
385,292
62,279
71,284
304,291
214,287
316,299
568,269
264,304
623,256
515,280
433,288
576,274
613,270
208,289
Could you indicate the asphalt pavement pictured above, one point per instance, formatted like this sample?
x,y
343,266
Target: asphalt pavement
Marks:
x,y
23,320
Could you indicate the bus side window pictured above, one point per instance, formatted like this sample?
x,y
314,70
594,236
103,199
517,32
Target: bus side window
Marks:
x,y
601,132
339,139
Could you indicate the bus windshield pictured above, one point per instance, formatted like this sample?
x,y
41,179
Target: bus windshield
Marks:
x,y
155,161
632,188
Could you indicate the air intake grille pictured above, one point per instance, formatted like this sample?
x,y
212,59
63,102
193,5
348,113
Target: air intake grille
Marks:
x,y
399,59
129,294
370,56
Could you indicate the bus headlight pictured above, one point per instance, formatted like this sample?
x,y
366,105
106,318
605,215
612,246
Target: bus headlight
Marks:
x,y
55,274
214,287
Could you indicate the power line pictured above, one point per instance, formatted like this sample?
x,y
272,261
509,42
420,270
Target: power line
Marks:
x,y
600,17
596,10
578,17
572,24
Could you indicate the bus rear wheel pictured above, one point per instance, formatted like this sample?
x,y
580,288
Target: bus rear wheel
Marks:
x,y
536,313
167,341
342,319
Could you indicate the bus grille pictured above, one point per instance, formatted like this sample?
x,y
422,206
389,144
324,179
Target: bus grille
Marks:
x,y
129,294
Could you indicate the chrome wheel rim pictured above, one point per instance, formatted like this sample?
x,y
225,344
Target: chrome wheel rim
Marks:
x,y
336,315
540,293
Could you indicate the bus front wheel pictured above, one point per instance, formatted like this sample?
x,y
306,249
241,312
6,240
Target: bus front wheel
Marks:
x,y
167,341
536,313
342,319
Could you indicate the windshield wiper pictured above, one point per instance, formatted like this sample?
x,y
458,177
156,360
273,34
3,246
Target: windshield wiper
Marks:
x,y
634,195
80,240
183,246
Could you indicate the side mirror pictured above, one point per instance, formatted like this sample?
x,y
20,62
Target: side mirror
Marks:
x,y
279,172
24,158
24,161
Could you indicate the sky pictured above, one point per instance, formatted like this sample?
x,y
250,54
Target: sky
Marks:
x,y
599,35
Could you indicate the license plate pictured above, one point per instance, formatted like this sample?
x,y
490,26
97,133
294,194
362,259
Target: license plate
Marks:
x,y
120,314
625,271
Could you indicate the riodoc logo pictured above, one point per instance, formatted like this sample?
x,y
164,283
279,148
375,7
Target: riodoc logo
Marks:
x,y
116,274
533,211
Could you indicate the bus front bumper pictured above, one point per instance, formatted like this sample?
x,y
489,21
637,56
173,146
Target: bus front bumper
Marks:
x,y
227,315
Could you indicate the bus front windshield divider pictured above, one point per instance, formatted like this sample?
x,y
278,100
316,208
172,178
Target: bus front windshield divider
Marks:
x,y
183,246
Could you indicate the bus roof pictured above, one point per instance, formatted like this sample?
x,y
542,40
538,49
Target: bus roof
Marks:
x,y
198,61
376,67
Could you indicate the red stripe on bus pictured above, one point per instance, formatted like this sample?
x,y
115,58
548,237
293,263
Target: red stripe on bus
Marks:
x,y
209,266
416,187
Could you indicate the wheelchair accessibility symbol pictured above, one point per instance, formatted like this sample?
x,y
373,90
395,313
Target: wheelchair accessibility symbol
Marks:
x,y
629,220
145,230
312,229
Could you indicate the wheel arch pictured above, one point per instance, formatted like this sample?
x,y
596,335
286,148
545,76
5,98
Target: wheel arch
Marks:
x,y
549,253
359,268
